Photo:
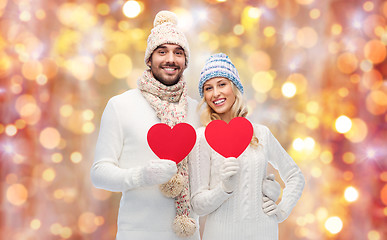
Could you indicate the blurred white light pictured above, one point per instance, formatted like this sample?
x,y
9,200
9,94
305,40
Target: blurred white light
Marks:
x,y
334,225
202,15
351,194
293,66
131,9
343,124
8,148
356,24
289,89
309,143
371,153
298,144
186,20
254,12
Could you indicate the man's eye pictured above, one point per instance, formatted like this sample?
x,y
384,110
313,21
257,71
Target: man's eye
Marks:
x,y
179,53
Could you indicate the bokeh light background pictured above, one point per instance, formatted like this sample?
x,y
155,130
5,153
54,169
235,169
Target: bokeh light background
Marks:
x,y
314,72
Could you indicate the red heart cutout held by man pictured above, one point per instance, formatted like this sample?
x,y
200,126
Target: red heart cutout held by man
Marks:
x,y
229,140
171,143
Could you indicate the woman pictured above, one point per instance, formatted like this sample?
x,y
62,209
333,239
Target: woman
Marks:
x,y
230,191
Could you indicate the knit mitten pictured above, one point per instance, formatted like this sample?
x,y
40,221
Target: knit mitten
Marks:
x,y
271,188
228,172
157,172
272,209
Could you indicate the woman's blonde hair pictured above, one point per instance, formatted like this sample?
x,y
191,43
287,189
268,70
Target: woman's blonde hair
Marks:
x,y
238,109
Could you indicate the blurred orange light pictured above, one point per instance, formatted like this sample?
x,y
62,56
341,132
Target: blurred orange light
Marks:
x,y
32,69
87,223
375,51
314,13
372,79
17,194
368,6
49,138
376,102
383,194
347,62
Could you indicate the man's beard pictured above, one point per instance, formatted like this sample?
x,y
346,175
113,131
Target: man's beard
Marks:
x,y
159,78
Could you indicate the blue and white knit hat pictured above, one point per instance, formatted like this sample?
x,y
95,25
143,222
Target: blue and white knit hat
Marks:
x,y
219,65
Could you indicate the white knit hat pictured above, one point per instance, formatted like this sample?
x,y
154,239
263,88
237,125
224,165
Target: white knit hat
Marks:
x,y
166,31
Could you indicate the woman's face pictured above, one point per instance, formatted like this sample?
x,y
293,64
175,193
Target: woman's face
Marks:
x,y
219,96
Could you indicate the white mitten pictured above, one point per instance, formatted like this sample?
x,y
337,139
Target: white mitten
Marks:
x,y
228,172
271,208
271,188
158,172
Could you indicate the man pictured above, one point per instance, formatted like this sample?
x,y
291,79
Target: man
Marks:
x,y
155,192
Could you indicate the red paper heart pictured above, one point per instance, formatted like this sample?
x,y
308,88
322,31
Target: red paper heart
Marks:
x,y
229,140
171,143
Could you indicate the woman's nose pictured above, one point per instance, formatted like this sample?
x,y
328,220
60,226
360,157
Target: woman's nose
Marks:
x,y
216,92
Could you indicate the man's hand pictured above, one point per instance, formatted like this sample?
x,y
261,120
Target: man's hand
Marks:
x,y
158,171
271,188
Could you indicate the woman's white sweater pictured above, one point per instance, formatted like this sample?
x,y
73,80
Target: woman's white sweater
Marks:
x,y
239,215
121,151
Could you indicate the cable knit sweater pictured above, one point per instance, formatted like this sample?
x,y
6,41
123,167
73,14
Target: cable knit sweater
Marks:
x,y
239,215
144,213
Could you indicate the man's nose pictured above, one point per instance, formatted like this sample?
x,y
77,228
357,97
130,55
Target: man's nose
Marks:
x,y
170,57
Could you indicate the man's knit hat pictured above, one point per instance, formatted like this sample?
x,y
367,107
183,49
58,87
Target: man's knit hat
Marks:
x,y
166,31
219,65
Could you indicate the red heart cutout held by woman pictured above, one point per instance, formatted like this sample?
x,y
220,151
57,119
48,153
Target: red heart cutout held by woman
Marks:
x,y
229,140
171,143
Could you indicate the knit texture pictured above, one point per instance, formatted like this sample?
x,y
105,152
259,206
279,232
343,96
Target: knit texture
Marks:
x,y
165,31
170,104
239,215
219,65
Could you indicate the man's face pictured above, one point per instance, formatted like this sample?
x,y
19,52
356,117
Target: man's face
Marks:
x,y
167,63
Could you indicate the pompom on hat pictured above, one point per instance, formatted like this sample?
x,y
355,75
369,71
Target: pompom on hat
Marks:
x,y
165,31
219,65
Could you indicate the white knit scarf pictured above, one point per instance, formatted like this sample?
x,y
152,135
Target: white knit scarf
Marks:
x,y
170,104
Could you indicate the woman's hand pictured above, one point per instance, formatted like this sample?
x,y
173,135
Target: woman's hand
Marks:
x,y
228,172
271,209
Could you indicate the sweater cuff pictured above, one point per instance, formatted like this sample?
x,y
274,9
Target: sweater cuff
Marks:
x,y
281,215
220,194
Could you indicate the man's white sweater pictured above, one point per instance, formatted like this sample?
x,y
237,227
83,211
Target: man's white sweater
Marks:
x,y
121,150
